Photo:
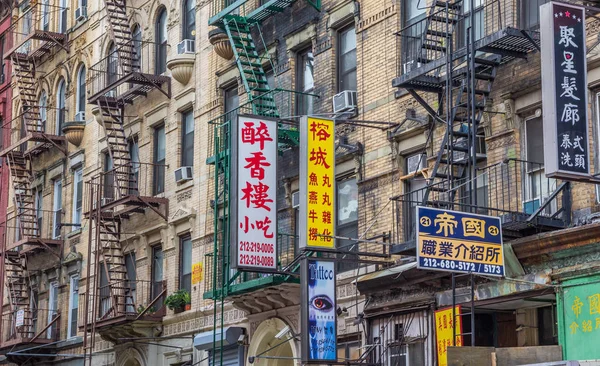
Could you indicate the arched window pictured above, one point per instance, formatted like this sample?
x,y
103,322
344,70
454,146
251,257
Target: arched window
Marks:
x,y
137,45
43,111
60,106
189,19
112,66
161,42
80,102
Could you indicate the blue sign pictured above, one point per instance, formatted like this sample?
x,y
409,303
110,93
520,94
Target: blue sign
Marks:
x,y
322,326
457,241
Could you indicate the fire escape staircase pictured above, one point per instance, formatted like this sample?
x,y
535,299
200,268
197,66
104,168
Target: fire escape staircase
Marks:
x,y
18,290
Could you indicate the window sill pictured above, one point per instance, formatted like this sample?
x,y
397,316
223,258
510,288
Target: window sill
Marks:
x,y
73,233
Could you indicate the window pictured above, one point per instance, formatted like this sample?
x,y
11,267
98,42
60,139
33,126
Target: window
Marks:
x,y
131,286
530,13
73,306
57,209
347,218
104,292
161,42
2,63
112,66
37,196
189,19
187,138
347,59
63,17
80,102
413,12
548,334
43,110
77,198
46,15
137,46
415,188
305,82
270,75
60,107
349,350
157,274
185,263
537,186
52,308
479,27
33,306
231,101
109,179
159,160
134,154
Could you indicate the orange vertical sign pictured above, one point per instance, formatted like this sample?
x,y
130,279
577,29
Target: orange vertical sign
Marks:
x,y
319,183
444,332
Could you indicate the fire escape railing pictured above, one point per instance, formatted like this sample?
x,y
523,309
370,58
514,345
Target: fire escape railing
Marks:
x,y
287,248
122,72
20,135
38,28
48,227
37,324
515,190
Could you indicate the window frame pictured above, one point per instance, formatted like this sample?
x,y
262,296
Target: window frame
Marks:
x,y
136,36
184,278
61,105
80,100
187,152
73,299
153,268
161,39
77,213
52,306
304,105
56,208
43,109
186,26
523,11
339,56
158,175
2,62
341,266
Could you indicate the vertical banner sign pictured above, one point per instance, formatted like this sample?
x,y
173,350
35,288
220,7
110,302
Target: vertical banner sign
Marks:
x,y
254,186
317,183
197,273
444,332
319,318
564,91
456,241
20,318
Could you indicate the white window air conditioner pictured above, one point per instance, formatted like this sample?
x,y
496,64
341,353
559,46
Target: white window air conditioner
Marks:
x,y
81,13
410,66
344,101
80,116
415,163
296,199
183,174
186,46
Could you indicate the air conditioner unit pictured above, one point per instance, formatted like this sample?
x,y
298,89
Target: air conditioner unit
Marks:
x,y
186,46
80,116
344,101
410,66
296,199
416,162
183,174
81,13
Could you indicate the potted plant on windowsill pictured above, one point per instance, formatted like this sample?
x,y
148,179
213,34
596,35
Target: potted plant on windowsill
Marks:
x,y
179,301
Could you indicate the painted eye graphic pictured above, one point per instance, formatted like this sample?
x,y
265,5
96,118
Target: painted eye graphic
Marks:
x,y
321,302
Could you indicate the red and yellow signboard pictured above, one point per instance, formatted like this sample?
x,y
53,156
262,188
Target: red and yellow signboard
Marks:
x,y
444,332
317,182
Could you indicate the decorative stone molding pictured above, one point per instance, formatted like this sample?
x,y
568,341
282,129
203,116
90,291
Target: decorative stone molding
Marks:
x,y
509,111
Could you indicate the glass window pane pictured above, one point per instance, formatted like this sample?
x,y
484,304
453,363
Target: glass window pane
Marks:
x,y
413,9
348,41
535,140
347,201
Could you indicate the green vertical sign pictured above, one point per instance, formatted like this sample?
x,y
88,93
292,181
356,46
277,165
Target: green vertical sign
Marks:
x,y
579,318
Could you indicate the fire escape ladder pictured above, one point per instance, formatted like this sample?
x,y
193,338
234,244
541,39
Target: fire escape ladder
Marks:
x,y
118,147
250,65
20,169
18,290
113,263
458,151
24,70
120,32
439,26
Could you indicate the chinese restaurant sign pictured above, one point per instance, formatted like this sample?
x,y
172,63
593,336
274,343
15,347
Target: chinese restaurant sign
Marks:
x,y
459,242
579,318
564,91
319,324
317,183
254,163
444,332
